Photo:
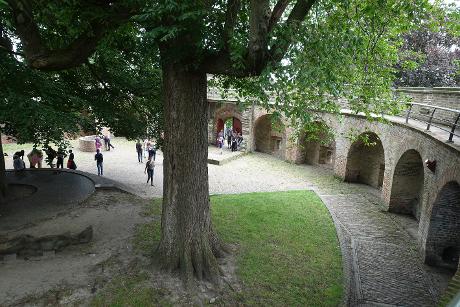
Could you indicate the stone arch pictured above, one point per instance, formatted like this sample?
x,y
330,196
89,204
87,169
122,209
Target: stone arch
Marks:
x,y
269,135
443,240
407,186
320,149
221,115
366,161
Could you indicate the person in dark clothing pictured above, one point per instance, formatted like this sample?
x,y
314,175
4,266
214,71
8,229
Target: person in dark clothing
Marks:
x,y
152,152
234,142
149,168
60,159
229,137
20,154
99,161
107,142
70,162
50,156
139,151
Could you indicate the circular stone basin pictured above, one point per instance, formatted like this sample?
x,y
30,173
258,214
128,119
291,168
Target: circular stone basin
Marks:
x,y
17,191
87,143
39,194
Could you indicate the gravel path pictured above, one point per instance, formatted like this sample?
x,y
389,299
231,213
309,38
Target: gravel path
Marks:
x,y
250,173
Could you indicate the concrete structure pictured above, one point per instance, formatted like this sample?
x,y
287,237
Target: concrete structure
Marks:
x,y
390,157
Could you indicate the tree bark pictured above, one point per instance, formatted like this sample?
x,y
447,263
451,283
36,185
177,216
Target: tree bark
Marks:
x,y
188,241
2,173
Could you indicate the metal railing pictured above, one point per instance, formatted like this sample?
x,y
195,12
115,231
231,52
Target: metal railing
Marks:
x,y
448,126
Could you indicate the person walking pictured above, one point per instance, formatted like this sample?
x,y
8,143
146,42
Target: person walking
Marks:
x,y
98,143
146,147
220,141
60,159
71,162
99,161
139,151
234,142
149,168
108,142
152,151
229,137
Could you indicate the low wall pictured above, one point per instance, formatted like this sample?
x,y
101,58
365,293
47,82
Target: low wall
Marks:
x,y
446,97
87,143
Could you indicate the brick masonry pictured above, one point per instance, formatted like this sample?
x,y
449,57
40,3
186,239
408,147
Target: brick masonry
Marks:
x,y
439,96
394,166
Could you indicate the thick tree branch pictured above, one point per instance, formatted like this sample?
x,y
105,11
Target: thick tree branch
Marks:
x,y
259,16
297,15
231,16
278,11
37,54
258,55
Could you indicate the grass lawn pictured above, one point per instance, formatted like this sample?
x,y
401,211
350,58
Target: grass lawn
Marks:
x,y
288,252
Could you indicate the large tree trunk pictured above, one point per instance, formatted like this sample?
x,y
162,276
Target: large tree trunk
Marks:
x,y
2,173
188,241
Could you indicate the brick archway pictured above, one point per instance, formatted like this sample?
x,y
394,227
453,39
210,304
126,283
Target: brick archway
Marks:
x,y
221,115
366,161
407,186
443,241
319,149
269,135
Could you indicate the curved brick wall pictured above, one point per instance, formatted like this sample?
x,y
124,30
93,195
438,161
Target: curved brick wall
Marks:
x,y
406,185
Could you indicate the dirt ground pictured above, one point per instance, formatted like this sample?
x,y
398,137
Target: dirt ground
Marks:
x,y
73,274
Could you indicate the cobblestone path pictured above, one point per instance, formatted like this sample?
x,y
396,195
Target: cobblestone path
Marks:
x,y
381,259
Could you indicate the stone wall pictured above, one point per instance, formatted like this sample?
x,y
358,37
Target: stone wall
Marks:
x,y
408,188
365,163
407,185
437,96
443,242
224,110
397,139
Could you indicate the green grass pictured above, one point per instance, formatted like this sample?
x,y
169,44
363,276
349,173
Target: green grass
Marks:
x,y
287,249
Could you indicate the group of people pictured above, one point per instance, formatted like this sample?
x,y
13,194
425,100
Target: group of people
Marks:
x,y
234,139
107,142
147,148
35,158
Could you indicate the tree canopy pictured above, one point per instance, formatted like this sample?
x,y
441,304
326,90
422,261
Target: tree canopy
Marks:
x,y
122,56
119,87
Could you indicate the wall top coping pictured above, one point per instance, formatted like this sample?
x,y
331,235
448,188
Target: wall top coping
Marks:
x,y
396,120
429,90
